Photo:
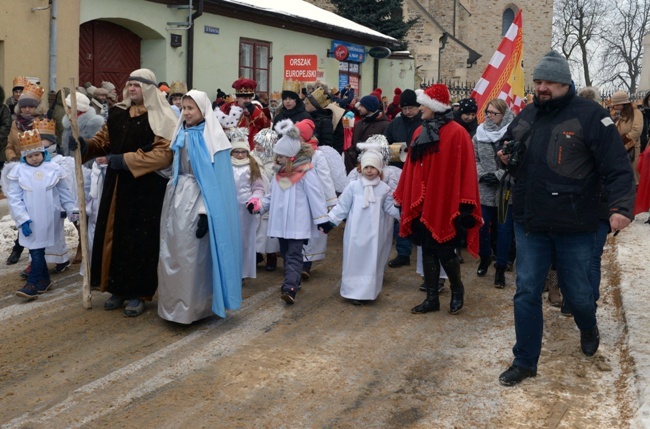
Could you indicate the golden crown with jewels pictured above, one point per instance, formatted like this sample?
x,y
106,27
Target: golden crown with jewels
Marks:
x,y
31,90
292,85
45,126
177,87
20,81
30,141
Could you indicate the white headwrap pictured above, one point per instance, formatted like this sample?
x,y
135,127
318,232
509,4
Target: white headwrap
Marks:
x,y
213,134
161,115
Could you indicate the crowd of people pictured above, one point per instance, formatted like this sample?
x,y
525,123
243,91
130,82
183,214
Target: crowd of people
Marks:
x,y
186,196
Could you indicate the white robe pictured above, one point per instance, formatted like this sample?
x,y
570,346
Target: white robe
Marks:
x,y
315,249
58,253
38,194
266,244
367,239
296,212
248,222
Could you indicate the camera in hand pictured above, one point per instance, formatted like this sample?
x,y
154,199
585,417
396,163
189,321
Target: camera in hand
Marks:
x,y
516,151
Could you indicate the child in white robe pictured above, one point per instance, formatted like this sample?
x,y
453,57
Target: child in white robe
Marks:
x,y
250,185
37,191
315,249
368,205
264,141
296,204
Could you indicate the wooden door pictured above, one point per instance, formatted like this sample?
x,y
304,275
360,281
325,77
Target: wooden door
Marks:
x,y
107,52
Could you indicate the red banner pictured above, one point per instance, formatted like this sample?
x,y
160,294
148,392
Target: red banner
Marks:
x,y
302,68
504,76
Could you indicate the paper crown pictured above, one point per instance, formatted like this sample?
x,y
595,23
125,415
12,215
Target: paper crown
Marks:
x,y
277,95
20,81
292,85
30,141
177,88
45,126
31,90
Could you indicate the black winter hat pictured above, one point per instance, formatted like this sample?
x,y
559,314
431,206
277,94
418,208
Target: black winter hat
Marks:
x,y
467,105
408,98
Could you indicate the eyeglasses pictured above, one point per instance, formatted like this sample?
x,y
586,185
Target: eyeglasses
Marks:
x,y
488,112
239,152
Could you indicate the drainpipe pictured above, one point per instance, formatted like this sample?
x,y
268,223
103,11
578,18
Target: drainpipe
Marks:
x,y
53,37
190,45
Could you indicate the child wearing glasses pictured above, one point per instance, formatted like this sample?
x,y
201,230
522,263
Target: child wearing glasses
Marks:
x,y
250,185
199,269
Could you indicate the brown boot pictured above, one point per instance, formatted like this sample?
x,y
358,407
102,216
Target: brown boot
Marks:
x,y
554,295
77,256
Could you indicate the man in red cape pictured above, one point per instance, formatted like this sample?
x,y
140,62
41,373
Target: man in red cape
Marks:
x,y
438,195
642,203
242,113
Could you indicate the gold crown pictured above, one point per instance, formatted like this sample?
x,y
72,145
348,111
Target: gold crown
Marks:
x,y
45,126
20,81
292,85
29,140
31,90
277,95
178,88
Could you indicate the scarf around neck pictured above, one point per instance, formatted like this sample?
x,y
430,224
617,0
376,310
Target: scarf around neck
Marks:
x,y
240,162
369,190
429,141
300,168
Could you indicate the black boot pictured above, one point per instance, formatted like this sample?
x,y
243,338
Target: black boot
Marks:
x,y
15,253
483,267
431,268
452,268
500,278
457,298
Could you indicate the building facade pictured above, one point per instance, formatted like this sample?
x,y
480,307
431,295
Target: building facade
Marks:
x,y
454,40
208,46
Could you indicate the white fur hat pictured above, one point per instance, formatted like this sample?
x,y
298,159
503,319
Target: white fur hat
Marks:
x,y
83,103
289,143
372,158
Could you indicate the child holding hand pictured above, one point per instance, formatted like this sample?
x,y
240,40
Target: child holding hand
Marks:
x,y
368,205
296,204
37,188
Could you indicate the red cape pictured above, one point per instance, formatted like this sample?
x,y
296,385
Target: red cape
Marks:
x,y
642,203
434,188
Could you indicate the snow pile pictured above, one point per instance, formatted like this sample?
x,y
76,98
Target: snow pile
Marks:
x,y
632,256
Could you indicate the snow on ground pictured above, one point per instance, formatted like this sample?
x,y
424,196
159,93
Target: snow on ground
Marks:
x,y
633,257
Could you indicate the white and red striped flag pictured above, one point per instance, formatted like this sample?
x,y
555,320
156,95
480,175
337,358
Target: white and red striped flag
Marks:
x,y
504,76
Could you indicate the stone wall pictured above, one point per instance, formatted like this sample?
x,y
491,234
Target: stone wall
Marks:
x,y
477,24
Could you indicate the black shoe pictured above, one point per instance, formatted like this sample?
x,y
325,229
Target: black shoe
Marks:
x,y
259,258
515,375
306,273
399,261
289,296
423,287
427,306
271,262
483,267
500,278
14,257
565,310
589,341
114,302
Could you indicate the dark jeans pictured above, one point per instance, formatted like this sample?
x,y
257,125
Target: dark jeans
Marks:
x,y
599,244
504,235
403,245
291,251
38,270
574,252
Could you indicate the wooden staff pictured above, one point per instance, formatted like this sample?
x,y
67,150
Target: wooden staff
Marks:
x,y
81,195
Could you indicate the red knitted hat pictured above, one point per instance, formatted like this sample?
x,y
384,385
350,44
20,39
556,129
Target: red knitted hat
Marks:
x,y
377,93
306,128
436,97
398,92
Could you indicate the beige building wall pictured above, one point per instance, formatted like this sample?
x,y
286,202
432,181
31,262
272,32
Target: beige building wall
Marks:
x,y
24,41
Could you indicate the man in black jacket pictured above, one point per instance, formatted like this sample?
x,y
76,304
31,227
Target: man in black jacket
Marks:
x,y
559,147
400,130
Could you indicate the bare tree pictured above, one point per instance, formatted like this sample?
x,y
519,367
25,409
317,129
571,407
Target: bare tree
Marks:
x,y
623,43
577,25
